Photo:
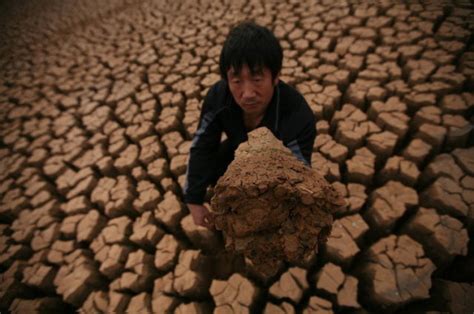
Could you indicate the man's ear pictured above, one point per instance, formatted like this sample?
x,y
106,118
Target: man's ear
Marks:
x,y
276,79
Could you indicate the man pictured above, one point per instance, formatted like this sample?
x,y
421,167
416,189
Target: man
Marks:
x,y
250,95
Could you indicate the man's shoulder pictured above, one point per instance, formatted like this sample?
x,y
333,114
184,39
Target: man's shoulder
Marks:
x,y
290,98
216,96
290,94
218,89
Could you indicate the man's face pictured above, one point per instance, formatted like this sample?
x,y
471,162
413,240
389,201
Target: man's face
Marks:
x,y
252,90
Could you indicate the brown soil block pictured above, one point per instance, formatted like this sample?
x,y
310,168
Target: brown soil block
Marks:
x,y
395,271
342,244
361,167
328,169
114,196
192,308
148,197
318,305
283,308
340,287
139,273
146,233
292,285
451,191
388,204
39,305
77,278
167,252
354,195
399,169
442,236
169,211
453,297
279,212
235,295
190,277
97,301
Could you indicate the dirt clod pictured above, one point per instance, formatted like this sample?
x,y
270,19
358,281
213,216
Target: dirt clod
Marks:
x,y
282,211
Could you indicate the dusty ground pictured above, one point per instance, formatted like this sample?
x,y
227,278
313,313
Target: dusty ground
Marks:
x,y
98,106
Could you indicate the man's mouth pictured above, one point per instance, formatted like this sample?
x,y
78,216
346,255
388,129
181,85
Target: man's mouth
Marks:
x,y
250,104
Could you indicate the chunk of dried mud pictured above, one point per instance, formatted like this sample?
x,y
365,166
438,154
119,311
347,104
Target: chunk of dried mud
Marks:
x,y
272,207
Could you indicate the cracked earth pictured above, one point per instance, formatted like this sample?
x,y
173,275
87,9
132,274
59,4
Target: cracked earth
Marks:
x,y
99,102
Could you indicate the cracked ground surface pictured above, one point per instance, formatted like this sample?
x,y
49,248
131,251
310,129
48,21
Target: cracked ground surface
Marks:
x,y
99,102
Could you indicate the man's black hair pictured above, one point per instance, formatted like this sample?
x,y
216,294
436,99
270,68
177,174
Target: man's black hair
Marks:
x,y
253,45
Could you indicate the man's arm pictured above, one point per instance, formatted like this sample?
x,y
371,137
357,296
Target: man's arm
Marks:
x,y
306,140
202,157
302,142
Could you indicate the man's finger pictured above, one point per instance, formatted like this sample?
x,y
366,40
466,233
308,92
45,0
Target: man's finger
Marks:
x,y
209,221
196,219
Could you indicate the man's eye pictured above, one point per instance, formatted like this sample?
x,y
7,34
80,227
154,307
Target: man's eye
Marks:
x,y
257,79
235,81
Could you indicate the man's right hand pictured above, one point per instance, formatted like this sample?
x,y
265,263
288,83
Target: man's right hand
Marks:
x,y
201,215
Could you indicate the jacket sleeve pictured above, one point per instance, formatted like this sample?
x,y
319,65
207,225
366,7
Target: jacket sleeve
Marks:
x,y
302,143
203,151
306,140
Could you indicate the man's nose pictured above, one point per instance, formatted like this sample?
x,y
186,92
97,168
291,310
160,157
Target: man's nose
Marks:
x,y
248,91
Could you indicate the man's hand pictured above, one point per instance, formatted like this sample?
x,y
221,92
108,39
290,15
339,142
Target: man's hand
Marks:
x,y
201,215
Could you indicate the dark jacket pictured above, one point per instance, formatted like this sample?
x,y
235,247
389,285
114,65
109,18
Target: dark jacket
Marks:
x,y
288,117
